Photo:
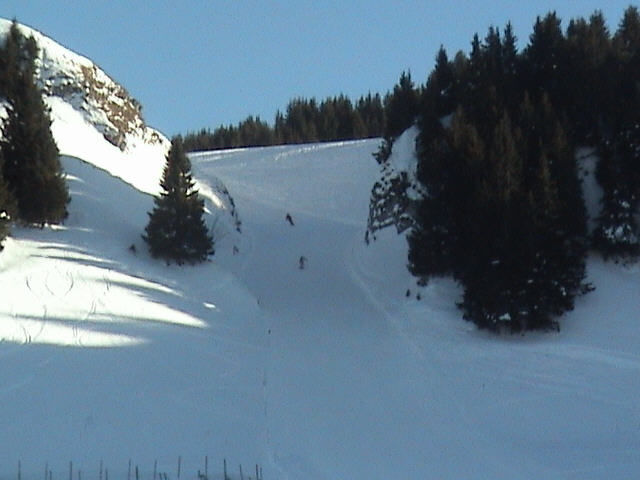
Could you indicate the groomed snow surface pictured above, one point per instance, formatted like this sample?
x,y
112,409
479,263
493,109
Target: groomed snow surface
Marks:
x,y
326,372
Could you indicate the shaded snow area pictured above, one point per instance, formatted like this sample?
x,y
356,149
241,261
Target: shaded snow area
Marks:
x,y
396,191
324,372
140,166
587,161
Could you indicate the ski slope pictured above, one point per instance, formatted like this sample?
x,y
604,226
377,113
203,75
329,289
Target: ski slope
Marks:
x,y
318,373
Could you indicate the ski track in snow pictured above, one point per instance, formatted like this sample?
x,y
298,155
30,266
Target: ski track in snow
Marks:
x,y
430,363
423,364
324,372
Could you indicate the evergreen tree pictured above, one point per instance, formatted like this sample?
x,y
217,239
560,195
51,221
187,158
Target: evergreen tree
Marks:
x,y
305,120
401,107
7,208
16,58
347,118
625,72
439,92
590,93
176,230
545,61
504,215
450,163
31,161
626,40
617,234
493,264
371,112
528,232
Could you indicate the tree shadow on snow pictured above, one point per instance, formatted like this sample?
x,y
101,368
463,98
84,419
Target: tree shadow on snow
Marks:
x,y
110,289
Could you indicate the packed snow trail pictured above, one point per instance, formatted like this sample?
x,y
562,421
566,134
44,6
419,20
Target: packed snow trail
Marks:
x,y
343,386
362,382
324,372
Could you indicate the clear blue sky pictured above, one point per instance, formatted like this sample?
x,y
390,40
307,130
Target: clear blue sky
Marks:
x,y
200,63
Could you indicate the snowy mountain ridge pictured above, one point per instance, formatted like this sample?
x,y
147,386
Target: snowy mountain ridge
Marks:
x,y
103,102
96,120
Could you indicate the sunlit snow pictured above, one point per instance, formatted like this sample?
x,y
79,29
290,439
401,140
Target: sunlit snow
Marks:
x,y
344,369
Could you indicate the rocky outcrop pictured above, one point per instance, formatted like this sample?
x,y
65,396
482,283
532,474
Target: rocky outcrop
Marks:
x,y
103,102
395,194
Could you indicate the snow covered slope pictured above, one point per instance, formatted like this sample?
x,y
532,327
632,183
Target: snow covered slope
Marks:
x,y
93,116
103,347
325,372
95,119
363,382
103,102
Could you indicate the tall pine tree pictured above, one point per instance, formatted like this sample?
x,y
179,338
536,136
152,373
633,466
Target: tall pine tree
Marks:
x,y
401,107
617,234
7,207
176,230
31,161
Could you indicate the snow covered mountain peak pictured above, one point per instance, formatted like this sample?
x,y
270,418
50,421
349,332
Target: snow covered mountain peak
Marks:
x,y
76,80
95,120
93,117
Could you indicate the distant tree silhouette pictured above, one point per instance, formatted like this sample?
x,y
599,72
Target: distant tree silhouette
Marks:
x,y
401,107
304,121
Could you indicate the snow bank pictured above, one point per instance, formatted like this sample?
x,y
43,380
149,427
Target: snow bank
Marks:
x,y
140,165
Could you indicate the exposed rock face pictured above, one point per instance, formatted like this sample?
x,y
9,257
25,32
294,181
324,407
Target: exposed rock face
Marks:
x,y
78,81
389,204
394,196
92,91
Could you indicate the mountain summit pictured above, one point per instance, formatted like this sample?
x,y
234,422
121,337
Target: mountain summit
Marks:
x,y
102,101
93,117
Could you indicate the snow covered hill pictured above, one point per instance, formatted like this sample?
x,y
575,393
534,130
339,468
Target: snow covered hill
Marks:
x,y
324,372
80,83
95,119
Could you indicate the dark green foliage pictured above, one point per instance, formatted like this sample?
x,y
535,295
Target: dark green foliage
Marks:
x,y
504,212
371,112
31,162
495,220
438,97
617,234
251,132
7,207
176,230
401,107
626,41
449,163
545,67
589,56
16,60
333,119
